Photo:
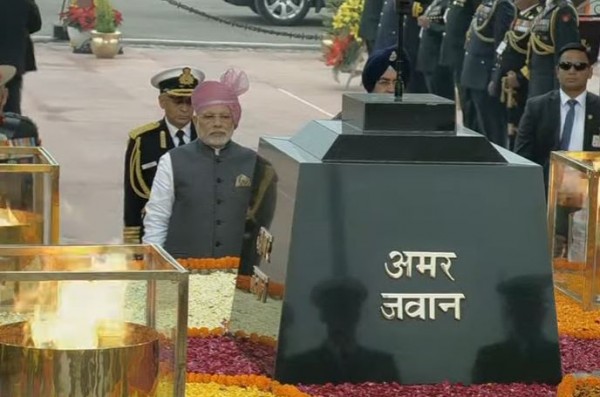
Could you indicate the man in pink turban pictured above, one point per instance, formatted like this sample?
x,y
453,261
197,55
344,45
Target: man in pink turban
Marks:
x,y
200,196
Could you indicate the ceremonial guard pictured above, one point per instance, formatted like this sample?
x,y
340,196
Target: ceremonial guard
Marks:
x,y
457,18
149,142
491,21
369,22
512,56
437,77
555,27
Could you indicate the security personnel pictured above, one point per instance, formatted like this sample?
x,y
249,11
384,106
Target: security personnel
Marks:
x,y
458,17
555,26
15,130
438,78
512,55
149,142
490,23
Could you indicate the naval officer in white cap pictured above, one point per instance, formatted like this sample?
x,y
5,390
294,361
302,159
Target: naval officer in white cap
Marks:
x,y
149,142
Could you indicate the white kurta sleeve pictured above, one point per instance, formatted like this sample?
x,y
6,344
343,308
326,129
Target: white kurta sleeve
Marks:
x,y
160,204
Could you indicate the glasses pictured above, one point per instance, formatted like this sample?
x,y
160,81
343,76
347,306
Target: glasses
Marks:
x,y
579,66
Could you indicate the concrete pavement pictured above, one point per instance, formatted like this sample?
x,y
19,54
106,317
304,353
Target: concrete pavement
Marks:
x,y
85,108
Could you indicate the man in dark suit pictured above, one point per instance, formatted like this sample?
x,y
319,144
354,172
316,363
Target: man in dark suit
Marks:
x,y
149,142
18,19
564,119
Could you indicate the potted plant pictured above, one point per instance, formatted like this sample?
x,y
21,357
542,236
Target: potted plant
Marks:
x,y
79,21
106,39
343,49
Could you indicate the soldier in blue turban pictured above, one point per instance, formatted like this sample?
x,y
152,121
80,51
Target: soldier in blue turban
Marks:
x,y
379,74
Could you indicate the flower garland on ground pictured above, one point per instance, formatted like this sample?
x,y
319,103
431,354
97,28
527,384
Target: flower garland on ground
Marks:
x,y
223,364
343,49
224,263
582,386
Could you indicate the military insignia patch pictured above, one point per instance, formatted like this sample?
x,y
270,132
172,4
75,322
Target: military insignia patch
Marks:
x,y
242,181
587,45
186,77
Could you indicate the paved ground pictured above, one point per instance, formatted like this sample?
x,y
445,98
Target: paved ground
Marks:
x,y
154,19
85,107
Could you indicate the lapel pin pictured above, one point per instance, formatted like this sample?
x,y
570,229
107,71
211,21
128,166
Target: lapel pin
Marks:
x,y
590,117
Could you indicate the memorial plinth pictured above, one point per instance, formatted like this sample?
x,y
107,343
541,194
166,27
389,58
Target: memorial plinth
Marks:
x,y
411,255
29,196
93,321
573,225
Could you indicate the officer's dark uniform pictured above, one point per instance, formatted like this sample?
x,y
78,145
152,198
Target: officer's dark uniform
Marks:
x,y
554,27
437,77
145,147
490,23
458,18
512,56
369,21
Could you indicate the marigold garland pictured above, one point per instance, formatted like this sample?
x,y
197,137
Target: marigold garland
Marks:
x,y
227,262
219,390
574,321
220,331
584,386
565,264
258,382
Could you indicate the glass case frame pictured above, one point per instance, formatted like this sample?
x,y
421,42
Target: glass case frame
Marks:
x,y
578,276
149,263
48,167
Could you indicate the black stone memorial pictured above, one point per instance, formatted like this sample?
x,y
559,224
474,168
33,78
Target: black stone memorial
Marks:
x,y
408,254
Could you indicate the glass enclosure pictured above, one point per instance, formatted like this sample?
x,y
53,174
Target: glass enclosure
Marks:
x,y
29,198
573,225
89,299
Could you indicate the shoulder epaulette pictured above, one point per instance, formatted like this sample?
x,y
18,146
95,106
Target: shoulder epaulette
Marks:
x,y
145,128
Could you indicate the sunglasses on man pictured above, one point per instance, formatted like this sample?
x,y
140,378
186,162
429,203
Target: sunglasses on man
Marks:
x,y
579,66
